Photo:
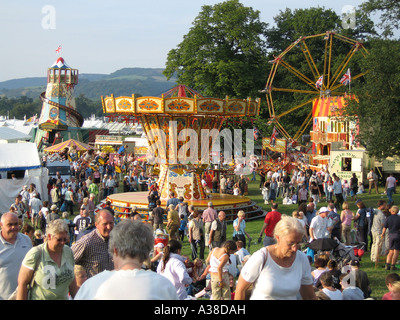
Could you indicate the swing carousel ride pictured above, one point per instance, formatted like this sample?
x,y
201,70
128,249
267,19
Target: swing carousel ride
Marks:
x,y
317,88
164,120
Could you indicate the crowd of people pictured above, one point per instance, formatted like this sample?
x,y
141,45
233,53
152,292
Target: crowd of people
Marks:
x,y
48,255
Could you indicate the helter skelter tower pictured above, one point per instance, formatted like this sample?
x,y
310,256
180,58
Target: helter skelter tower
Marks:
x,y
59,108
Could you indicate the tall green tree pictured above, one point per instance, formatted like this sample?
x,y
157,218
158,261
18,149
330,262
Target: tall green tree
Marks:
x,y
224,52
389,11
378,104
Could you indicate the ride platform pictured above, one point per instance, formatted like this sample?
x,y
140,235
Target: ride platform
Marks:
x,y
122,204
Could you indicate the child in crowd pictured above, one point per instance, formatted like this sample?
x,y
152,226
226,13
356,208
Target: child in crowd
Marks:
x,y
389,280
38,237
328,288
83,222
360,188
182,227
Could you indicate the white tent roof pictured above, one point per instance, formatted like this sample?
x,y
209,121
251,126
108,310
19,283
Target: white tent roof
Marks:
x,y
10,135
19,156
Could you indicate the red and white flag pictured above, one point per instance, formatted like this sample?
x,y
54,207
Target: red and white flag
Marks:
x,y
346,79
318,84
58,50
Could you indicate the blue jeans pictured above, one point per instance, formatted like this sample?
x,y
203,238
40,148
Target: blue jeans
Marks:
x,y
389,193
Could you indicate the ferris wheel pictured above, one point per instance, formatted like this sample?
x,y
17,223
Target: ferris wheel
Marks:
x,y
318,71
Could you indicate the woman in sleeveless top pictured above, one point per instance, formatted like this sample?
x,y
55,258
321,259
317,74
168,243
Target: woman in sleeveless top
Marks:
x,y
218,259
279,271
346,217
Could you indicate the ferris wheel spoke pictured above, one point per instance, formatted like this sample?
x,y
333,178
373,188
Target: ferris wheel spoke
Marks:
x,y
310,60
296,90
298,74
330,60
270,104
304,126
282,130
295,108
344,64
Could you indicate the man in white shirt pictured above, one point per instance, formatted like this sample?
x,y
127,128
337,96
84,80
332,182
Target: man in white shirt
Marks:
x,y
321,225
13,247
35,205
373,181
390,187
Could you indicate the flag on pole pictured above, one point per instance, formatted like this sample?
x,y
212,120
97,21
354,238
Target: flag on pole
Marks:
x,y
256,133
58,50
318,84
346,79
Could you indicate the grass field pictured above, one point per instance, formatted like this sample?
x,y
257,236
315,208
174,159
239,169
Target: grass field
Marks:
x,y
376,275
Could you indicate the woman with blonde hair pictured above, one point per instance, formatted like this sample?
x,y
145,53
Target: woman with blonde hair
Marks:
x,y
299,216
279,271
48,269
347,216
239,228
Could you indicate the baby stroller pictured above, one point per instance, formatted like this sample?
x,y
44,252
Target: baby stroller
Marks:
x,y
341,253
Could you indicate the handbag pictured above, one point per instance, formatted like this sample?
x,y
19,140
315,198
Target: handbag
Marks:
x,y
31,283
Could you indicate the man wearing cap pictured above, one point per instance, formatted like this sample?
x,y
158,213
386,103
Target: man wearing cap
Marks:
x,y
53,215
321,225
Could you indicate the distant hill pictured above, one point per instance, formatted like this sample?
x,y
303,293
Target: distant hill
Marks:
x,y
126,81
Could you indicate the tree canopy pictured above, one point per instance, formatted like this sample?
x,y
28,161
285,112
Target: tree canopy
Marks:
x,y
224,52
389,11
378,107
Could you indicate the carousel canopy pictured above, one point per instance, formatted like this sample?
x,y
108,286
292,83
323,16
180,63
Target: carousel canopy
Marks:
x,y
79,146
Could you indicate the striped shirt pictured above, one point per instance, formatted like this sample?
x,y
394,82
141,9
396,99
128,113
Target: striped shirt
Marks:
x,y
91,252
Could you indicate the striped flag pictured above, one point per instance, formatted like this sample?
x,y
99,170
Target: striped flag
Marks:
x,y
346,79
318,84
58,50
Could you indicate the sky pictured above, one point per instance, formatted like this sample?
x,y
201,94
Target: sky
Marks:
x,y
100,36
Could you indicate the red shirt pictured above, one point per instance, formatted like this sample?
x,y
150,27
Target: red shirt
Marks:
x,y
387,296
272,218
